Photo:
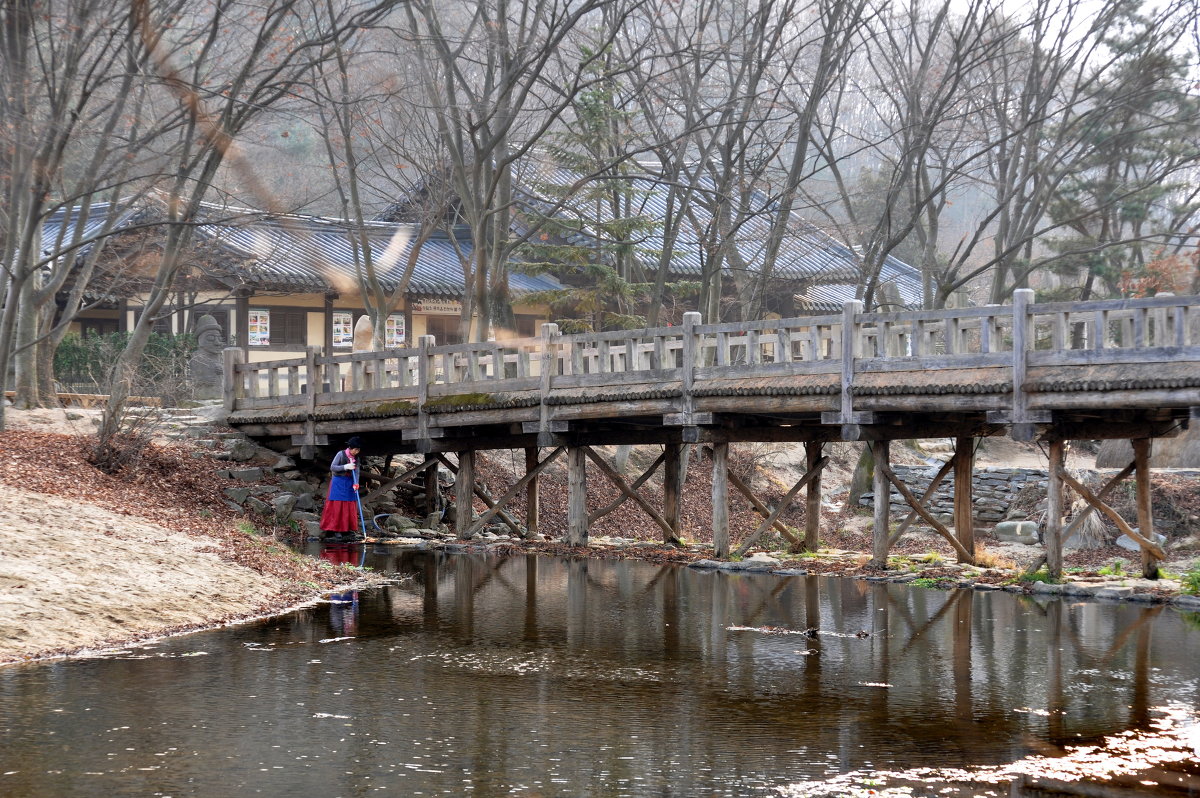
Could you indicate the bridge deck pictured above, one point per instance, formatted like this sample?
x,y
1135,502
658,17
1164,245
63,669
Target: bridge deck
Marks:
x,y
1122,368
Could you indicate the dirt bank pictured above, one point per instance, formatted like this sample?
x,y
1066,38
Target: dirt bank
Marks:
x,y
89,560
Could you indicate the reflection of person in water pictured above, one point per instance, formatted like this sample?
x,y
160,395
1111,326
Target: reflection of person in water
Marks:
x,y
206,367
343,613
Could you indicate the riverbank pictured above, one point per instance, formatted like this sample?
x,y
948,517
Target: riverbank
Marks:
x,y
90,561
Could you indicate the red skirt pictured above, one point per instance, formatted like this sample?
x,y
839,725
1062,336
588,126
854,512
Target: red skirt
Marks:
x,y
339,516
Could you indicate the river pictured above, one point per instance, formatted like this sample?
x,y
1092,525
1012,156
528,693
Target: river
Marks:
x,y
487,674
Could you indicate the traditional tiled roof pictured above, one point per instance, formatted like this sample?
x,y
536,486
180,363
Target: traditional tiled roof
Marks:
x,y
307,253
310,253
827,272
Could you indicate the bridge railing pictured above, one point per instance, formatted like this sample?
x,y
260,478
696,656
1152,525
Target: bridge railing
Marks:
x,y
1017,336
1158,328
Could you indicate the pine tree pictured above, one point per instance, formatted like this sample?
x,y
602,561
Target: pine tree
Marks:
x,y
1139,139
591,233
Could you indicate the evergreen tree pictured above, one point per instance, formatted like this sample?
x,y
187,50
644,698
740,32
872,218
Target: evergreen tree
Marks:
x,y
1138,141
592,234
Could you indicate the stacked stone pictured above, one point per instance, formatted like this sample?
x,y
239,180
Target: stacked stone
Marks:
x,y
994,490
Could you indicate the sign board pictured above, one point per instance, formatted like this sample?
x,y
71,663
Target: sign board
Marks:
x,y
438,307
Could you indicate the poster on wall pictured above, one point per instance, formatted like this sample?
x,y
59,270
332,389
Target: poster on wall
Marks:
x,y
259,328
343,329
394,330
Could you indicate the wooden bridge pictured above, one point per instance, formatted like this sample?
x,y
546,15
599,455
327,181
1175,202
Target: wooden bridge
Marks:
x,y
1056,372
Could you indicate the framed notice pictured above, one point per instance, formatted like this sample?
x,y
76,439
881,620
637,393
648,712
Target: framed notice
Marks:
x,y
394,331
259,328
343,329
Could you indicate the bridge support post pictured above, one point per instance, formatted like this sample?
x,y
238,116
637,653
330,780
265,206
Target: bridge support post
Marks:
x,y
812,503
431,485
1145,515
964,515
720,499
672,485
532,494
1054,508
577,515
883,493
464,491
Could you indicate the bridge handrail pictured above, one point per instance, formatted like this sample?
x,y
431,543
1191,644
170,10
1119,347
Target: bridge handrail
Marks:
x,y
1019,335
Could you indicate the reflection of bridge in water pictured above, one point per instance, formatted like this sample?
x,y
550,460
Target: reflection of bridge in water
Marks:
x,y
966,663
1056,372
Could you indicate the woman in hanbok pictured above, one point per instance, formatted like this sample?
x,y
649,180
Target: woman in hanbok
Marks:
x,y
339,517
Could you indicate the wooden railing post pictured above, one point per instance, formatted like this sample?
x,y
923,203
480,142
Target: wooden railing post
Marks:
x,y
851,349
1022,428
426,374
312,386
546,377
691,351
234,387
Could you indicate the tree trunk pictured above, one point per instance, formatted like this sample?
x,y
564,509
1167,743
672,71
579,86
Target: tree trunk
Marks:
x,y
25,360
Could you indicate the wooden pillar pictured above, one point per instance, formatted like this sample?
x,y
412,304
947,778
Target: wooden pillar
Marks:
x,y
464,491
671,490
720,500
812,504
532,494
577,515
242,320
431,486
883,501
1145,516
1054,508
964,515
327,336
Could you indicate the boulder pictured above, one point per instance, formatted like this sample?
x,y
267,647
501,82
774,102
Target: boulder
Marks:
x,y
296,486
241,451
1130,544
258,506
283,504
305,501
237,495
247,474
399,523
1017,532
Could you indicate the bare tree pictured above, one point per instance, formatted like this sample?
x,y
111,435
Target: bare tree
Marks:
x,y
244,58
494,82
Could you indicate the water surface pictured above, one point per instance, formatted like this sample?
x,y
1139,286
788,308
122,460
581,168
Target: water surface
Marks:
x,y
525,675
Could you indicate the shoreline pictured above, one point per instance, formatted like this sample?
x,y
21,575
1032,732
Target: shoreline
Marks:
x,y
109,647
847,565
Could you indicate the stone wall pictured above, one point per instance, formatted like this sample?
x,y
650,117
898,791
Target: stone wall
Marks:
x,y
994,490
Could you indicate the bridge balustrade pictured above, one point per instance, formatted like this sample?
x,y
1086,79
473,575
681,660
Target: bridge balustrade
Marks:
x,y
1018,336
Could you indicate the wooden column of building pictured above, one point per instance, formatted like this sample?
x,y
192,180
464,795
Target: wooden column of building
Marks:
x,y
672,486
532,495
812,504
464,491
964,509
883,492
1145,516
1054,509
577,515
720,500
